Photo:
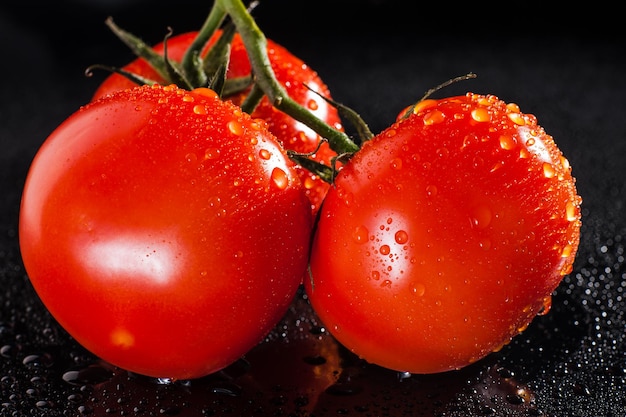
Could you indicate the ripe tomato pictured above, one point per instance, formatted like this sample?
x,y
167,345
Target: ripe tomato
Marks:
x,y
444,236
165,230
300,81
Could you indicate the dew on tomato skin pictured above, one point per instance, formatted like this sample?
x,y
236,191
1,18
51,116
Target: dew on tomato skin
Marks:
x,y
423,105
481,217
431,190
360,234
376,275
571,211
279,178
507,142
384,250
418,289
191,157
386,283
401,237
517,118
199,109
548,170
484,244
442,152
265,154
523,153
212,153
567,251
235,127
480,115
396,164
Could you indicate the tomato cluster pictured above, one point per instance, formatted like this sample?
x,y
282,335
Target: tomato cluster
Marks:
x,y
167,229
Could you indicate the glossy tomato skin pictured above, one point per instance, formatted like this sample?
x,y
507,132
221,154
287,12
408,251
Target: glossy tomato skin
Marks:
x,y
444,236
301,82
165,230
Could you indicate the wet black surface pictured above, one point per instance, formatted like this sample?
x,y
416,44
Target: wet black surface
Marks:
x,y
570,362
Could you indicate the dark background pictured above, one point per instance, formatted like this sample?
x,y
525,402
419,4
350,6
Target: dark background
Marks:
x,y
565,66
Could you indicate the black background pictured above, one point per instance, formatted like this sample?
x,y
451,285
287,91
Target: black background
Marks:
x,y
566,67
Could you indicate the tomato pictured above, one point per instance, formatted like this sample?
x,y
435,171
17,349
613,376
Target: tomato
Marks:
x,y
165,230
444,236
300,81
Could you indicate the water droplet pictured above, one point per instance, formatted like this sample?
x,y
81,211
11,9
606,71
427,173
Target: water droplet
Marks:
x,y
401,237
215,201
212,153
386,283
265,154
396,163
442,152
206,92
481,217
418,289
199,109
235,127
517,118
309,182
431,190
571,211
312,105
280,178
481,114
513,107
38,360
423,105
484,244
403,375
565,163
496,166
530,142
90,375
376,275
360,234
434,117
508,142
8,351
191,157
566,252
384,250
548,170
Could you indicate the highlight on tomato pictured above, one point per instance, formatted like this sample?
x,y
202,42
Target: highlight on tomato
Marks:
x,y
166,230
444,235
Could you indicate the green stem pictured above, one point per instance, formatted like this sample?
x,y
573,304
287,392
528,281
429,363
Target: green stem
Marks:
x,y
256,45
192,61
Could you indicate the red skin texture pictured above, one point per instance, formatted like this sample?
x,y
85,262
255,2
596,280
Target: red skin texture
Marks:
x,y
444,236
165,230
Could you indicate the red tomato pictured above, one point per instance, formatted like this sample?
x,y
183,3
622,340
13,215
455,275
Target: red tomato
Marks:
x,y
300,81
444,236
165,230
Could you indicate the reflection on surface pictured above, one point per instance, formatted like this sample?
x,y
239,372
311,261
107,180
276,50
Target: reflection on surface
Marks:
x,y
127,256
